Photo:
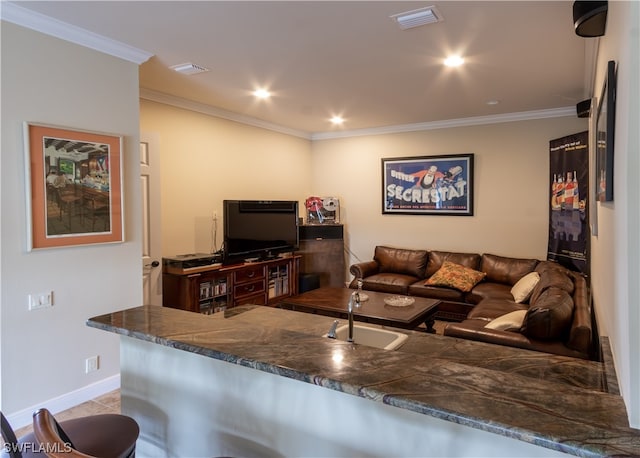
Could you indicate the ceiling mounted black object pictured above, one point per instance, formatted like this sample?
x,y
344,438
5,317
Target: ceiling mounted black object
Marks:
x,y
583,109
590,18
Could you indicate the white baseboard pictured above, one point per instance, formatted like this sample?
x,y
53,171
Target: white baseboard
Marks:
x,y
66,401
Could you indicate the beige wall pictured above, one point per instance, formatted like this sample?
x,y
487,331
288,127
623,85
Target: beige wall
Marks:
x,y
205,160
51,81
511,187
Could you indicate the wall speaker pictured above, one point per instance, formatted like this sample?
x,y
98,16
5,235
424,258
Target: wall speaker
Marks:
x,y
590,18
583,109
317,231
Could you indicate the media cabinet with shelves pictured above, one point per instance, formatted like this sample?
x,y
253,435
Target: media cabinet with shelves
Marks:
x,y
214,288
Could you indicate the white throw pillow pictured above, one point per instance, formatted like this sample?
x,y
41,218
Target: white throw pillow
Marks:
x,y
523,288
510,321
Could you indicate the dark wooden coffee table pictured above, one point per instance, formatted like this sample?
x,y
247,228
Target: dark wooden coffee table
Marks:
x,y
333,302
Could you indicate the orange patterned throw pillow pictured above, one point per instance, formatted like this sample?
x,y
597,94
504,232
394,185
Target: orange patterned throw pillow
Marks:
x,y
455,276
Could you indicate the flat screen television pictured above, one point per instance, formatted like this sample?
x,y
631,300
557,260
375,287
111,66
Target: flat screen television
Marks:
x,y
259,229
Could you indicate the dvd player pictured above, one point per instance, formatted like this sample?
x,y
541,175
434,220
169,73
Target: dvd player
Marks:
x,y
186,261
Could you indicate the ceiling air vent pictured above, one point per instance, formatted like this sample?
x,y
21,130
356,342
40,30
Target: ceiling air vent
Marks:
x,y
189,68
416,18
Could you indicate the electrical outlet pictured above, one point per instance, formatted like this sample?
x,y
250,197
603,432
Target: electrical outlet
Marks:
x,y
40,300
92,364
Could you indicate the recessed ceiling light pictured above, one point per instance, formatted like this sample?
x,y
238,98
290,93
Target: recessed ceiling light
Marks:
x,y
262,93
454,61
189,68
416,18
337,120
493,102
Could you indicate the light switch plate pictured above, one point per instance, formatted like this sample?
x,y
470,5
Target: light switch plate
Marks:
x,y
40,300
92,364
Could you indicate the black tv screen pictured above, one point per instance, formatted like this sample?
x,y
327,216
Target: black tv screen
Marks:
x,y
259,228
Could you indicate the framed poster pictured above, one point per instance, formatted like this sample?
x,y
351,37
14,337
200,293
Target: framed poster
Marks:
x,y
74,187
430,185
605,133
569,196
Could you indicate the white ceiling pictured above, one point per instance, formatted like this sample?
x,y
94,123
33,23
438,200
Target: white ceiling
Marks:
x,y
349,58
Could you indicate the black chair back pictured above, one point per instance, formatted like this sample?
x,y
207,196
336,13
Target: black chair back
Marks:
x,y
9,437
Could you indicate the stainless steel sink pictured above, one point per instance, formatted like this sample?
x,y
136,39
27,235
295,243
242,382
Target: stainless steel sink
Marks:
x,y
372,337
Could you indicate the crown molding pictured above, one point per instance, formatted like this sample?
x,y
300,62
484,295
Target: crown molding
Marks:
x,y
179,102
33,20
198,107
462,122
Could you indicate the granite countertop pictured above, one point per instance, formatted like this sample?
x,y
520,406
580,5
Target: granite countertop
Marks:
x,y
564,404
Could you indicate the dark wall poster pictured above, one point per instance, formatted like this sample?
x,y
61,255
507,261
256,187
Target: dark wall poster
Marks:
x,y
568,202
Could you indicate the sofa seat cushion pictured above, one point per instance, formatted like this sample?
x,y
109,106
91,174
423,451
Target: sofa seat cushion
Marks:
x,y
455,276
489,290
388,283
476,330
401,261
436,292
550,317
506,270
437,258
490,309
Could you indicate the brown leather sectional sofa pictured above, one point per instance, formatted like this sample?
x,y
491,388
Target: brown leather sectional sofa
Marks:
x,y
558,313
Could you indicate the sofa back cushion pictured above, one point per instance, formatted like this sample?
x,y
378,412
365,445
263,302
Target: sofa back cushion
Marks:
x,y
550,317
551,278
401,261
500,269
437,258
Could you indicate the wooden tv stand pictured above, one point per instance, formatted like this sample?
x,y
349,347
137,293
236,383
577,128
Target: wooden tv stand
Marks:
x,y
213,288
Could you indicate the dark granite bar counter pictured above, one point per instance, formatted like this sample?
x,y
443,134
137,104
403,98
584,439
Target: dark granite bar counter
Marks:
x,y
563,404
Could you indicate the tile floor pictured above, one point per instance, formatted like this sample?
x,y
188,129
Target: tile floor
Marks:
x,y
107,403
